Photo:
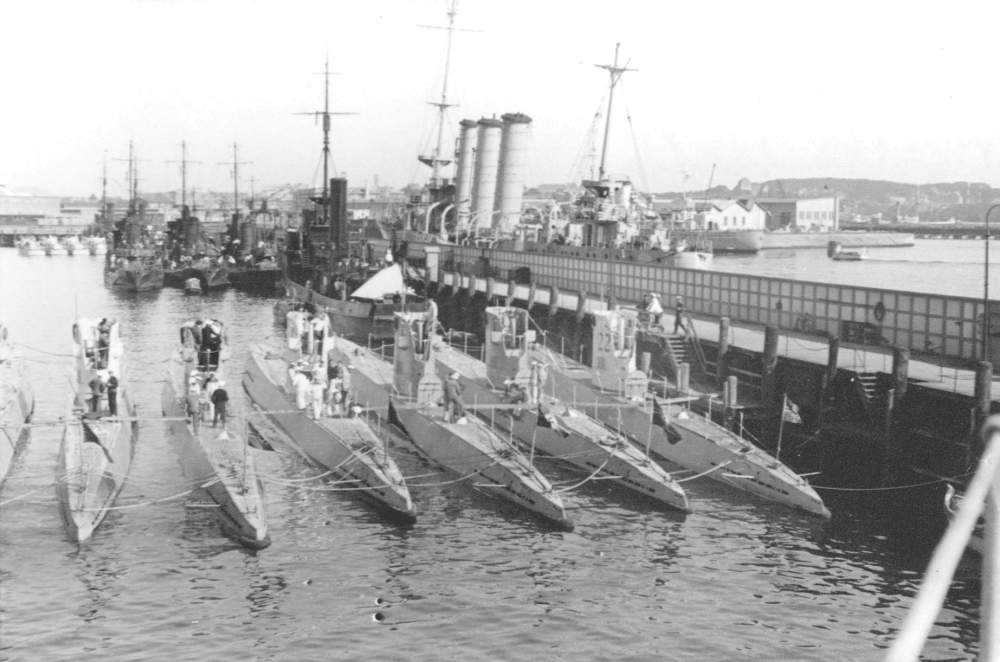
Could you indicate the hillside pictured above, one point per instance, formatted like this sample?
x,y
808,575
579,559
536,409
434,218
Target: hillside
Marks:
x,y
964,201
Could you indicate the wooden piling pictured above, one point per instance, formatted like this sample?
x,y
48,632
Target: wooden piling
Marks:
x,y
770,366
581,305
490,286
532,292
722,358
684,378
832,350
645,360
511,291
900,371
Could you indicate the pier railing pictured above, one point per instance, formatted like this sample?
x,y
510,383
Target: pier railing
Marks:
x,y
925,323
983,491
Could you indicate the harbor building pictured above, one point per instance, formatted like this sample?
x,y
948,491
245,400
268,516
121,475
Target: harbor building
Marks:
x,y
802,214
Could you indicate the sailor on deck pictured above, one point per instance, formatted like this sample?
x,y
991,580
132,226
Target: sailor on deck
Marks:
x,y
654,308
453,407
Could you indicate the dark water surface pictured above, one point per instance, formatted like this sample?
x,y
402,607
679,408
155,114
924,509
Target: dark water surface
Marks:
x,y
473,578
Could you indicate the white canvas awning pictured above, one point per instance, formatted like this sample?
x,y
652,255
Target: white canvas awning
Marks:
x,y
384,284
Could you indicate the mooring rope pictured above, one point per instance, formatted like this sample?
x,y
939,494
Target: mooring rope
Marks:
x,y
703,473
585,480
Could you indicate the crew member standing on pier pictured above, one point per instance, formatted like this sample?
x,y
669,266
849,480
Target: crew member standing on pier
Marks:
x,y
654,308
679,315
112,388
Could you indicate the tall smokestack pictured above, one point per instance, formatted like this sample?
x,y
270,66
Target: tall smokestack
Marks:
x,y
463,172
513,164
487,161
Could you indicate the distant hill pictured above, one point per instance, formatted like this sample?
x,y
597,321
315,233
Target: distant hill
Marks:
x,y
965,201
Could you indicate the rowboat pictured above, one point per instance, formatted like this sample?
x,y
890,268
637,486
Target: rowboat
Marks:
x,y
550,425
98,438
465,446
16,403
619,397
216,457
330,435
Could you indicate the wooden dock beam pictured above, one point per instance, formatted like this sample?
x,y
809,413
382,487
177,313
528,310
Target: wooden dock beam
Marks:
x,y
722,358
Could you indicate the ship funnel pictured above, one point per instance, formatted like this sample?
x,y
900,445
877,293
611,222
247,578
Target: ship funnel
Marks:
x,y
487,162
466,158
513,164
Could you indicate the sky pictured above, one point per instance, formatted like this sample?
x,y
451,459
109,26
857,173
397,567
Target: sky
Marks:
x,y
903,91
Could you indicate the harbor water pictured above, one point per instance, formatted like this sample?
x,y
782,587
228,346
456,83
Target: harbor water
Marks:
x,y
736,579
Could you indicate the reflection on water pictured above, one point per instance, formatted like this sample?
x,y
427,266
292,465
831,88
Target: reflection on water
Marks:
x,y
473,577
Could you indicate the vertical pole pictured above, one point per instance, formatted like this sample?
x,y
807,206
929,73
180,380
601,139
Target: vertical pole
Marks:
x,y
983,393
989,614
781,426
900,370
722,358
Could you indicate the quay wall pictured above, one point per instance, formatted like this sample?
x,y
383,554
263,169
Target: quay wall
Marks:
x,y
932,326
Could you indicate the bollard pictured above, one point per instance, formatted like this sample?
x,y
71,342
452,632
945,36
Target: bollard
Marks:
x,y
553,301
532,290
732,390
490,286
511,291
684,378
722,358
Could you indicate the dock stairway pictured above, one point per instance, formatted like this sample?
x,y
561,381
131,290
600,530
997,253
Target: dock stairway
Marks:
x,y
679,348
869,384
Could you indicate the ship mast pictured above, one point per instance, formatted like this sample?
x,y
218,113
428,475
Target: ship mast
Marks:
x,y
325,115
132,177
615,72
435,161
104,192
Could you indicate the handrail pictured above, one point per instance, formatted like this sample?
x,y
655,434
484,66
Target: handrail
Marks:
x,y
984,489
692,339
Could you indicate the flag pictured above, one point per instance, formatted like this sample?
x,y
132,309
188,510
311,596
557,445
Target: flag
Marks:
x,y
545,422
658,417
790,412
673,436
393,418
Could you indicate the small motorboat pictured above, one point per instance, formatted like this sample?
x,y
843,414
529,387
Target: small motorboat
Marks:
x,y
73,245
192,286
53,247
96,245
217,456
836,252
29,246
98,438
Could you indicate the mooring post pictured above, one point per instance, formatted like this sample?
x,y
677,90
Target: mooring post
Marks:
x,y
532,290
683,378
770,366
511,292
721,360
900,371
490,285
730,397
553,301
645,360
581,305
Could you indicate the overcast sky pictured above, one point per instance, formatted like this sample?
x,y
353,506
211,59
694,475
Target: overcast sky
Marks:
x,y
903,91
